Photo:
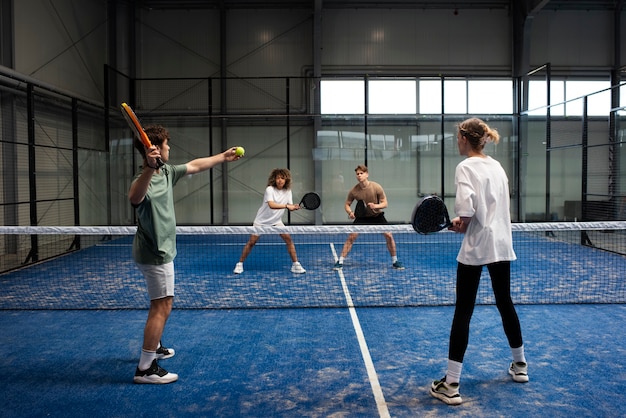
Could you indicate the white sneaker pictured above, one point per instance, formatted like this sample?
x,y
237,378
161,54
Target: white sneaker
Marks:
x,y
297,268
519,372
238,268
446,392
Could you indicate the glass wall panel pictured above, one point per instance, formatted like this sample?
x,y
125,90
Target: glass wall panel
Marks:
x,y
533,170
302,168
565,182
393,163
123,163
426,144
340,148
620,159
266,149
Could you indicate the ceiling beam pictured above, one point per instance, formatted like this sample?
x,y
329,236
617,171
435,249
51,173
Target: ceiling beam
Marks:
x,y
535,6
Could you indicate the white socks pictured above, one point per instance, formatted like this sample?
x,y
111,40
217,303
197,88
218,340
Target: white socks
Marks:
x,y
394,258
454,371
518,354
453,375
146,359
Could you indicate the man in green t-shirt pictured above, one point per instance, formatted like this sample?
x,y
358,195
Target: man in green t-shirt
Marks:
x,y
154,245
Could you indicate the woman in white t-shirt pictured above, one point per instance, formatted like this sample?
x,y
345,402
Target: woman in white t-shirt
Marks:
x,y
482,206
276,199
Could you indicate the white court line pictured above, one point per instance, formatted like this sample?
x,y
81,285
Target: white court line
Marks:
x,y
383,411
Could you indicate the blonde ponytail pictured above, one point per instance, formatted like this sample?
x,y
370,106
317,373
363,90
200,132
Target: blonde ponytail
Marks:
x,y
478,133
490,134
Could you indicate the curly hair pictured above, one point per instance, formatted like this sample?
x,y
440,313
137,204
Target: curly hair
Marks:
x,y
157,135
282,172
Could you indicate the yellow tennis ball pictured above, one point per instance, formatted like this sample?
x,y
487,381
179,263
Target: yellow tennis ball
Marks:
x,y
239,152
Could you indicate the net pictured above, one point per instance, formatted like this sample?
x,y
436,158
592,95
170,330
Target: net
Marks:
x,y
92,267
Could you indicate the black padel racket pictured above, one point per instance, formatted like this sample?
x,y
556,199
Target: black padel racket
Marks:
x,y
360,211
310,201
135,126
430,215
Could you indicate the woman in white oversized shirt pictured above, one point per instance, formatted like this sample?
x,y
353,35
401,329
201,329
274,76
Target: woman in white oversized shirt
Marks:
x,y
482,206
276,199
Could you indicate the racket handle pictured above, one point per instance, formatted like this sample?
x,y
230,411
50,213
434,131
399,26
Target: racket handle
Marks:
x,y
146,143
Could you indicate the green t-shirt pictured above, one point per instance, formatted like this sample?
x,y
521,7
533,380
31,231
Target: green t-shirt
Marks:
x,y
155,240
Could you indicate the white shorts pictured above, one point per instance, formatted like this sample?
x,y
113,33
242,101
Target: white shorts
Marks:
x,y
255,224
159,279
279,223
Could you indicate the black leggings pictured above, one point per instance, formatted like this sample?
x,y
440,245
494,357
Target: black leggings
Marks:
x,y
467,280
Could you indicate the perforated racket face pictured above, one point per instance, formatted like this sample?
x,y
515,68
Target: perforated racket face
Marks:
x,y
430,215
310,201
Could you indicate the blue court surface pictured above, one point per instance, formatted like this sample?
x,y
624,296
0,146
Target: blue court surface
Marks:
x,y
363,342
308,363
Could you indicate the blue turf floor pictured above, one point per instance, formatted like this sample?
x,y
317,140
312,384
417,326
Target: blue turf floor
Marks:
x,y
307,363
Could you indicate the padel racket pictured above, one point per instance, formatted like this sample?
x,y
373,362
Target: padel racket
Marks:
x,y
430,215
137,129
360,210
310,201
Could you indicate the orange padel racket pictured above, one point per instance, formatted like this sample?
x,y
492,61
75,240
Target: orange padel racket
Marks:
x,y
137,129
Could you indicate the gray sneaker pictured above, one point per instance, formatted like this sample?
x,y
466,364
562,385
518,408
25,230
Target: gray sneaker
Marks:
x,y
446,392
519,371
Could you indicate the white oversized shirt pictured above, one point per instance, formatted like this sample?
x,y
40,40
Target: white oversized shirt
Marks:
x,y
267,216
482,193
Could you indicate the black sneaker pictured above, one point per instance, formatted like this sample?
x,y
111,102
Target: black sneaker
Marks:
x,y
162,353
155,374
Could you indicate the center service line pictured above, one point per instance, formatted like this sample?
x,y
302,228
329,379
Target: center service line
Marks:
x,y
383,411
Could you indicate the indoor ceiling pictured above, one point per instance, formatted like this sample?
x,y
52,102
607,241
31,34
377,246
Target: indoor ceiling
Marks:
x,y
381,4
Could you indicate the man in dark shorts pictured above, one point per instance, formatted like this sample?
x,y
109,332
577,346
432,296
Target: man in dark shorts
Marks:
x,y
371,199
